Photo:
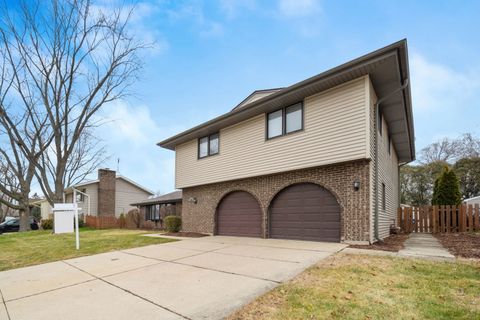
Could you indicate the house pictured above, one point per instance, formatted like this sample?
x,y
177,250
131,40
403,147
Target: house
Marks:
x,y
110,194
157,208
318,160
472,201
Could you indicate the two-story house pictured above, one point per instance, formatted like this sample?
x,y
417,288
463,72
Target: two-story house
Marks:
x,y
318,160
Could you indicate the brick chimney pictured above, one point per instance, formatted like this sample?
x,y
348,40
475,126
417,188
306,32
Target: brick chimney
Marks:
x,y
106,192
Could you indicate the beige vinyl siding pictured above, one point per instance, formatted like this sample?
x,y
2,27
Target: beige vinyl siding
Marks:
x,y
387,174
46,209
125,194
334,131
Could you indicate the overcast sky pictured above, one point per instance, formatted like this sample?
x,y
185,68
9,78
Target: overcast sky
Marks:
x,y
209,55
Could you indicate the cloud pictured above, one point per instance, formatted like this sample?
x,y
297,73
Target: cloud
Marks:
x,y
193,13
436,86
130,134
232,7
299,8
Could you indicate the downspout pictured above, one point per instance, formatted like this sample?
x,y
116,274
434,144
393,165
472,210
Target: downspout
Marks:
x,y
377,119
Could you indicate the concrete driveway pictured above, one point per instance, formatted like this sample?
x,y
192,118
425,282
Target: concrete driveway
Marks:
x,y
203,278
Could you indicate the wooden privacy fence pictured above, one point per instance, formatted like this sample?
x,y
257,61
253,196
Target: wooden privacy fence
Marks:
x,y
439,219
112,222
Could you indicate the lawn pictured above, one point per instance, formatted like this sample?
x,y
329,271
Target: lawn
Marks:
x,y
366,287
35,247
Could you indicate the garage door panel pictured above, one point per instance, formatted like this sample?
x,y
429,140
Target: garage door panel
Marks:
x,y
239,214
305,212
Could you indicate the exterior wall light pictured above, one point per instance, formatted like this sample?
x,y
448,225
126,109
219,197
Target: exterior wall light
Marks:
x,y
193,200
356,185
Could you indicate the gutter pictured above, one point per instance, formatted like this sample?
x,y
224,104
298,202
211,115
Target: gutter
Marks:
x,y
377,119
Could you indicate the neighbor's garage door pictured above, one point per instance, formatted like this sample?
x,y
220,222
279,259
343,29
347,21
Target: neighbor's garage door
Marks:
x,y
239,214
305,212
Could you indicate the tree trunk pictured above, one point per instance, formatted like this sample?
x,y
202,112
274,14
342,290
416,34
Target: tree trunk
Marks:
x,y
24,219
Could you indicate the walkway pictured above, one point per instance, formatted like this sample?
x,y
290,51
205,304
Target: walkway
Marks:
x,y
425,245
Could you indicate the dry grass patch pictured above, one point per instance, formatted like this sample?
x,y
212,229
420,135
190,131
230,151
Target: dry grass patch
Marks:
x,y
366,287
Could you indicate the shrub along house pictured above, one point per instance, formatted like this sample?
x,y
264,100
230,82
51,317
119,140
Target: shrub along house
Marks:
x,y
318,160
157,208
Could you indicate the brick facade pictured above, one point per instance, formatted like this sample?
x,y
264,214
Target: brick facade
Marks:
x,y
338,179
106,192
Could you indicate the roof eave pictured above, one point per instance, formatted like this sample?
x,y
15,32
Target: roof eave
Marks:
x,y
398,49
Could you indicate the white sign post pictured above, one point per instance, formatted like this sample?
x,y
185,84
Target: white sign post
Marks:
x,y
64,214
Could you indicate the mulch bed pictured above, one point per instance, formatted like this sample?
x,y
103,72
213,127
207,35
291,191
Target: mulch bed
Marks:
x,y
393,243
463,244
186,234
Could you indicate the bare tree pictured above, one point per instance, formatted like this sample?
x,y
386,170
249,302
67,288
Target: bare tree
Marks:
x,y
75,59
451,150
469,146
443,150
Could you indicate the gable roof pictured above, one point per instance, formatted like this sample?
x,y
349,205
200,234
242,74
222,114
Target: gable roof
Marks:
x,y
172,197
471,199
255,95
388,70
90,182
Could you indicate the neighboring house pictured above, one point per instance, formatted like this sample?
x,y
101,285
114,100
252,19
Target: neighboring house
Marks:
x,y
157,208
45,208
473,201
110,194
312,161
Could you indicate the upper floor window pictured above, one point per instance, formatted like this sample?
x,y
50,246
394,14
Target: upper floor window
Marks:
x,y
380,123
384,197
208,146
285,121
389,147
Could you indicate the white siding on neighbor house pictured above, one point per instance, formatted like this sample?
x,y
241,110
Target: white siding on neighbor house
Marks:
x,y
473,201
387,174
335,130
46,209
92,191
127,193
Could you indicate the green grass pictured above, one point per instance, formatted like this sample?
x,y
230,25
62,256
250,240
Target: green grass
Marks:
x,y
29,248
366,287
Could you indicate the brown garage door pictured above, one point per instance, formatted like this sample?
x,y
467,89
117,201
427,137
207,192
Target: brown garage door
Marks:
x,y
239,214
305,212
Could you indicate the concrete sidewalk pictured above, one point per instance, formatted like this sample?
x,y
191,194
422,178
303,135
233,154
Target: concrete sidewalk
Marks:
x,y
204,278
426,246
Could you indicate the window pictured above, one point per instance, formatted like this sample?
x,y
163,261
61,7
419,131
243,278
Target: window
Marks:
x,y
152,212
380,122
81,196
208,146
389,141
275,124
213,144
384,200
285,121
293,118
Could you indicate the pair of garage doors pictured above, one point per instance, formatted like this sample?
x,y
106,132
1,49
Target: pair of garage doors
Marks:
x,y
302,211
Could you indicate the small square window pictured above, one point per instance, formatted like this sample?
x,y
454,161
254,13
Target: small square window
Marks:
x,y
209,145
285,121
